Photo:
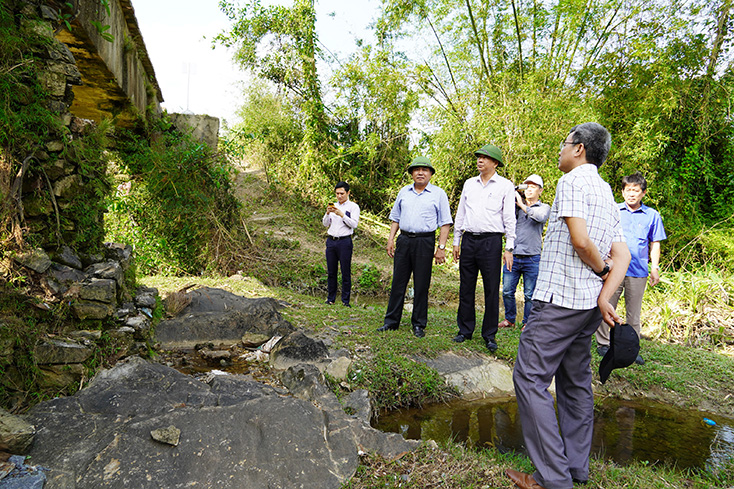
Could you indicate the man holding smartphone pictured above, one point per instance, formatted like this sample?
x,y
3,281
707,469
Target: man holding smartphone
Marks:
x,y
342,218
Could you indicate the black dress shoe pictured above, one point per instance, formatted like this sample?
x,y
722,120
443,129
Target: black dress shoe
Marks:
x,y
387,328
459,338
418,332
491,346
346,304
331,303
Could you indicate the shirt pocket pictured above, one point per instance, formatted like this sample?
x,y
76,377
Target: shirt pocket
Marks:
x,y
493,203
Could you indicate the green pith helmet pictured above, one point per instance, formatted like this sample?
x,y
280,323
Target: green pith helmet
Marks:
x,y
421,161
492,151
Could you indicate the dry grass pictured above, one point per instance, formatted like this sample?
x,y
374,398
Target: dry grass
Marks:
x,y
431,468
692,309
175,302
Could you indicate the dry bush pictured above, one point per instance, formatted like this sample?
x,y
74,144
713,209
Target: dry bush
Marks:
x,y
175,302
695,309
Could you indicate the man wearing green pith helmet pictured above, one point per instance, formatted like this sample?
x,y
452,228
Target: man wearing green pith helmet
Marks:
x,y
420,208
486,212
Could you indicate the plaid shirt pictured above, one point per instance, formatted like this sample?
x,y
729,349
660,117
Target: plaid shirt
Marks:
x,y
564,279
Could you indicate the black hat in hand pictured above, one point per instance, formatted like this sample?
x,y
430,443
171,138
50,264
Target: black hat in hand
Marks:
x,y
624,346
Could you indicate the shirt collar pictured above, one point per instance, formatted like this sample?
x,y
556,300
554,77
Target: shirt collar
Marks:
x,y
493,178
643,208
427,189
585,168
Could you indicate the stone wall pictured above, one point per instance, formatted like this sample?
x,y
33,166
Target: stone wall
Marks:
x,y
97,290
50,182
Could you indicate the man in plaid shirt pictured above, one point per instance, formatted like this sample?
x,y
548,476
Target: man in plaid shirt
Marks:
x,y
584,259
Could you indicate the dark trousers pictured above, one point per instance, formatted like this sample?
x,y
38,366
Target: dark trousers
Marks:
x,y
479,254
412,255
556,343
339,253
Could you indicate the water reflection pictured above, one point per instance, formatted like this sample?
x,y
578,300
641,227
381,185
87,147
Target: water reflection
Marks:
x,y
623,430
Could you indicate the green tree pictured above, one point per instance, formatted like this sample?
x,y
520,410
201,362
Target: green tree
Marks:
x,y
279,44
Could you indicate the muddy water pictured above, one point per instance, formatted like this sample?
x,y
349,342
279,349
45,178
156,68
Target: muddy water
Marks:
x,y
624,431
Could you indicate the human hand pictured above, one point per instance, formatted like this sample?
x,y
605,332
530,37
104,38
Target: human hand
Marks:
x,y
518,199
457,253
440,256
390,248
608,314
654,276
507,260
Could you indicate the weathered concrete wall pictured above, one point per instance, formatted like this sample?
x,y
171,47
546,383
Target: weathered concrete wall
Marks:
x,y
203,128
115,73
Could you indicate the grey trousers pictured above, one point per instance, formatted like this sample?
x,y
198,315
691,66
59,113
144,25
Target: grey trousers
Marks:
x,y
634,289
556,342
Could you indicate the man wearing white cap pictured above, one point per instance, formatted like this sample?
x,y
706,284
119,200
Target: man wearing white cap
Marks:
x,y
531,216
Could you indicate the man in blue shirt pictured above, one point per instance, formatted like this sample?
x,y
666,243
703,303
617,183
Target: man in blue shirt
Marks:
x,y
643,229
419,210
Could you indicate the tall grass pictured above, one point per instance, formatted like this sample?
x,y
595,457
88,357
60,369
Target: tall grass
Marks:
x,y
695,309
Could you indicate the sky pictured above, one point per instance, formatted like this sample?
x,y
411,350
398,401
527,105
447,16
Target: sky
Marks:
x,y
196,79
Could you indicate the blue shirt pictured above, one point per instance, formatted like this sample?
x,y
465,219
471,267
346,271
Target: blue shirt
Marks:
x,y
641,227
421,212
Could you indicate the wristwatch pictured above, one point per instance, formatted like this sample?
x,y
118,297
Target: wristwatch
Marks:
x,y
509,249
442,247
603,272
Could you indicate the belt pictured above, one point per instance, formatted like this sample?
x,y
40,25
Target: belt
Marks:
x,y
418,235
337,238
481,235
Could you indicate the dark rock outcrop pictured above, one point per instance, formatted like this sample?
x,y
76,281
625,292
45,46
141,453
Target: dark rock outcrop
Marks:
x,y
298,348
217,316
234,433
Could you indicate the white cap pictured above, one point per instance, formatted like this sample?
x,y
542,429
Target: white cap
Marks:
x,y
534,179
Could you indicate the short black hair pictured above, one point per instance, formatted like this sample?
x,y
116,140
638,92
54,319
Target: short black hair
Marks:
x,y
596,140
636,178
343,185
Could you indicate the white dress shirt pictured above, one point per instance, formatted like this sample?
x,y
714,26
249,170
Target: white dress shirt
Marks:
x,y
342,226
486,208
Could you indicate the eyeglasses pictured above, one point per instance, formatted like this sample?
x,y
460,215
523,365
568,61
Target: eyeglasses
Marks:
x,y
563,143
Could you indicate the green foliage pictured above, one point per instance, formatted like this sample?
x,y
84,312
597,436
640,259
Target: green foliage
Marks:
x,y
372,115
22,326
370,280
69,12
24,119
395,381
519,75
177,210
693,309
26,125
279,44
268,136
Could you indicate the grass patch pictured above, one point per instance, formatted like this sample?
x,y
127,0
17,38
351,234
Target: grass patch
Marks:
x,y
694,309
451,465
395,381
